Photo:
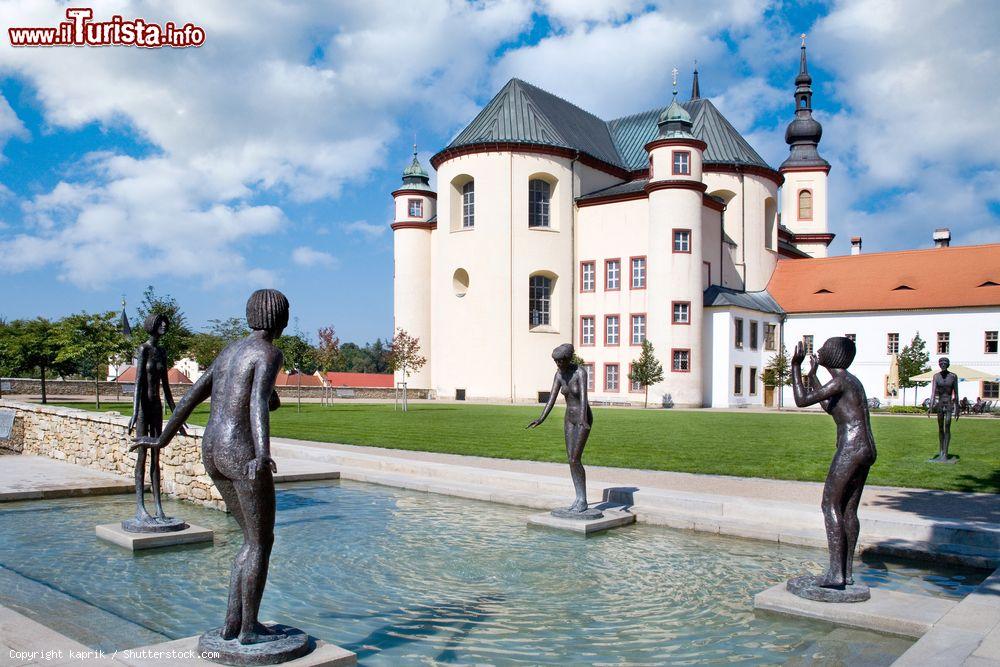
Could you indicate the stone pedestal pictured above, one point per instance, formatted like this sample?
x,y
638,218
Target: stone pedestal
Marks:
x,y
114,533
610,518
807,587
938,459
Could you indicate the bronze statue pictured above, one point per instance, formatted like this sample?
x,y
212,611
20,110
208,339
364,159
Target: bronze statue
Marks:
x,y
571,380
944,397
147,419
236,451
843,398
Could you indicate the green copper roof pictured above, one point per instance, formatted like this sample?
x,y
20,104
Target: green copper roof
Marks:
x,y
521,112
415,169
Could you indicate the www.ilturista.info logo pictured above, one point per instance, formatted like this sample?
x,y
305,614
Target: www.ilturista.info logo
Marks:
x,y
80,30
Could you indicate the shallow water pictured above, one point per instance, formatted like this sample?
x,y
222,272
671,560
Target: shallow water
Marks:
x,y
403,577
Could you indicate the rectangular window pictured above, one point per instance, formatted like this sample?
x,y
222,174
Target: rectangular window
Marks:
x,y
682,240
588,277
610,377
638,273
943,342
753,334
991,342
680,361
852,337
807,343
991,390
753,381
539,300
638,329
539,193
738,380
650,167
612,274
681,312
738,334
588,330
469,205
416,208
590,376
633,385
770,334
611,329
892,343
682,163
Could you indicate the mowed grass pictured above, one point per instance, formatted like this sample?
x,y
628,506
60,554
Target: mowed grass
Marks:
x,y
773,445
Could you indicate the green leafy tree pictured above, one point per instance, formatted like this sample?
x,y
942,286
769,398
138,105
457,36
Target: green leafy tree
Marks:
x,y
7,358
646,370
230,329
777,373
32,345
299,353
913,361
328,350
405,357
178,338
88,340
378,356
204,346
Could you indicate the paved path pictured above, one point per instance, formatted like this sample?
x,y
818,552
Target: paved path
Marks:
x,y
31,477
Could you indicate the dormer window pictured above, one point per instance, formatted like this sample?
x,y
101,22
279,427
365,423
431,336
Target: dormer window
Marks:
x,y
989,283
823,291
902,288
415,208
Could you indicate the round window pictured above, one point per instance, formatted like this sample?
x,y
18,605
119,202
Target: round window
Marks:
x,y
460,281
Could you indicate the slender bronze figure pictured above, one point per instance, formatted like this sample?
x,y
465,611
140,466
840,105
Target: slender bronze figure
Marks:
x,y
843,398
147,419
571,380
236,451
944,397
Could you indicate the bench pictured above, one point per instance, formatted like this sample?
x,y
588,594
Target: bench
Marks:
x,y
6,423
345,393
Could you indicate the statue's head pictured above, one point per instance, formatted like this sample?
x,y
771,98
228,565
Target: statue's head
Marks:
x,y
563,355
943,363
267,310
156,324
837,352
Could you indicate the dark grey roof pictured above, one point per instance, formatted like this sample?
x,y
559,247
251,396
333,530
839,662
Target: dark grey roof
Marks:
x,y
790,249
716,295
621,189
523,113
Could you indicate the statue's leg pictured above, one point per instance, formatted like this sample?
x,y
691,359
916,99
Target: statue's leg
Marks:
x,y
576,440
946,434
833,516
852,525
256,497
155,429
234,616
941,435
141,515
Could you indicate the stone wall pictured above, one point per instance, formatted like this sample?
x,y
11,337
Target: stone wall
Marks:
x,y
100,441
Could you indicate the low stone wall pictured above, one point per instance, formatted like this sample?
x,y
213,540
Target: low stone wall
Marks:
x,y
110,391
101,441
290,392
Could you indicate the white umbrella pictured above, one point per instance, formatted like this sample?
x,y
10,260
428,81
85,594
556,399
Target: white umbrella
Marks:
x,y
893,381
963,373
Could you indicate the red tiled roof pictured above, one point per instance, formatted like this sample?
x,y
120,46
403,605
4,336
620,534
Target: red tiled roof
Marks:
x,y
174,376
952,277
359,380
292,380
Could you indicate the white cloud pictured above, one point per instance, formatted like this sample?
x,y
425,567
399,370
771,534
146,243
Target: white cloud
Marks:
x,y
309,257
365,229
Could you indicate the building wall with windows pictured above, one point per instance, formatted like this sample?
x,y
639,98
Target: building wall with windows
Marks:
x,y
731,347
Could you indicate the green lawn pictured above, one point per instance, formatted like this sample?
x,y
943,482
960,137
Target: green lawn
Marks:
x,y
781,446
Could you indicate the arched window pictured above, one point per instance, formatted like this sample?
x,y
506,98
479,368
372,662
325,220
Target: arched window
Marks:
x,y
539,301
539,193
469,205
805,205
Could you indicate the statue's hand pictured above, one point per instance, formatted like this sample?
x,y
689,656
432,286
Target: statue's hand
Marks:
x,y
813,364
131,425
260,463
183,429
799,354
533,424
147,442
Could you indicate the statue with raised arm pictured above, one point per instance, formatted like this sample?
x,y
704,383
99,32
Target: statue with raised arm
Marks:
x,y
843,398
571,380
147,420
236,451
944,397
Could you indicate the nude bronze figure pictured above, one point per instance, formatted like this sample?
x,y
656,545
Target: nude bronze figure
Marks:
x,y
236,452
571,380
843,398
944,397
147,420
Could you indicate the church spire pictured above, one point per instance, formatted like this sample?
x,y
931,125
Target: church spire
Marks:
x,y
695,91
804,132
675,122
415,176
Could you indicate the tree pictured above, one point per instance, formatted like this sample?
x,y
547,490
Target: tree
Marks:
x,y
89,340
204,347
777,372
30,345
646,370
7,357
328,350
230,329
913,361
404,357
178,337
378,356
299,352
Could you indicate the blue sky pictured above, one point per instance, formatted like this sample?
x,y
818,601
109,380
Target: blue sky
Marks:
x,y
266,157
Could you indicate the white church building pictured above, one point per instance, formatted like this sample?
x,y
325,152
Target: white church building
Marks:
x,y
551,225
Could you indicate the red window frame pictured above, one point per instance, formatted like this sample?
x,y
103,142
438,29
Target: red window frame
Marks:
x,y
673,352
982,390
673,163
593,265
420,208
673,241
606,318
618,367
631,272
606,263
582,318
631,324
679,303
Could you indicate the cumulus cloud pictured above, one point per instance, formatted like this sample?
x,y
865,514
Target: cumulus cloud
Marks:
x,y
364,229
308,257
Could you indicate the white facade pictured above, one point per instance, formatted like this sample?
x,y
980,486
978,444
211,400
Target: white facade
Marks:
x,y
742,351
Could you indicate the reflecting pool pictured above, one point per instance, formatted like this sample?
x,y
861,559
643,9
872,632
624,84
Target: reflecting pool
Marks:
x,y
403,577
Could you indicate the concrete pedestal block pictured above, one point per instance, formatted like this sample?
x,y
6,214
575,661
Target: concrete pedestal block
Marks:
x,y
114,533
612,518
184,653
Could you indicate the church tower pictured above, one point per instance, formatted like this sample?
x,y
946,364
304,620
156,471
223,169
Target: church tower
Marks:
x,y
415,221
804,192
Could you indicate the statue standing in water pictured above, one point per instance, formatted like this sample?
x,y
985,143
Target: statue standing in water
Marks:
x,y
843,398
944,397
236,451
571,380
147,419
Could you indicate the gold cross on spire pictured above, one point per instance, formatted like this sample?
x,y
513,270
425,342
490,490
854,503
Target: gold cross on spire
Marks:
x,y
803,36
674,72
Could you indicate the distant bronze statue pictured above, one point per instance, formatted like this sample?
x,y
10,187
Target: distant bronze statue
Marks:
x,y
843,398
571,380
944,397
236,451
151,370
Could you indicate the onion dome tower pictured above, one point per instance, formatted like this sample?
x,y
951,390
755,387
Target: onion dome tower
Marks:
x,y
804,192
415,220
